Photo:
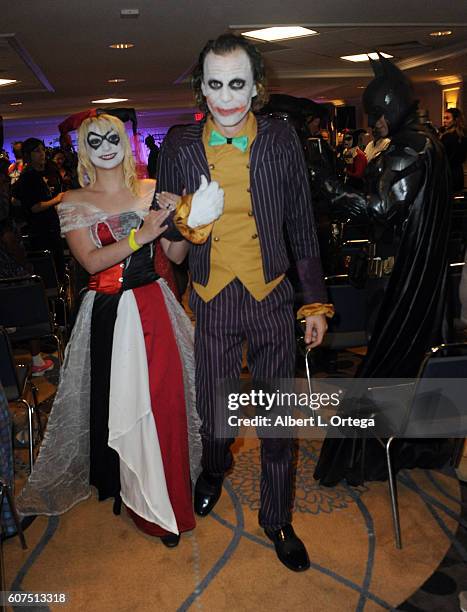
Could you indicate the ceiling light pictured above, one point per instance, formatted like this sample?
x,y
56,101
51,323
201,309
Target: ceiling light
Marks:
x,y
279,33
7,81
441,33
364,57
435,69
109,100
116,80
121,45
129,13
449,80
16,103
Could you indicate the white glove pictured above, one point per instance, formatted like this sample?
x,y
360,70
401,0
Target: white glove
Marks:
x,y
207,204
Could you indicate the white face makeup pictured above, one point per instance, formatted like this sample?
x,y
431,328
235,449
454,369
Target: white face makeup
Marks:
x,y
104,147
228,86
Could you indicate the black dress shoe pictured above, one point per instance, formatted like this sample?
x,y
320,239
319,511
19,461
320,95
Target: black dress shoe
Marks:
x,y
208,489
170,540
289,548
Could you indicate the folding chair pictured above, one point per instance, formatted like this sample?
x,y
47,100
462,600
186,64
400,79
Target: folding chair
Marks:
x,y
355,310
24,307
44,266
347,328
16,381
447,361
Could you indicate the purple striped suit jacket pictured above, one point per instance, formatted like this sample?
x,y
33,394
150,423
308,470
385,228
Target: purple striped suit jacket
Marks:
x,y
280,194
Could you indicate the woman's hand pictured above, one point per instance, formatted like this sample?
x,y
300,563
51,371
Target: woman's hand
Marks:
x,y
167,201
152,227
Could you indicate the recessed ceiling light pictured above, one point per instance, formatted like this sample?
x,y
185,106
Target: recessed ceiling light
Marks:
x,y
7,81
452,79
116,80
129,13
109,100
361,86
441,33
16,103
435,69
121,45
363,57
279,33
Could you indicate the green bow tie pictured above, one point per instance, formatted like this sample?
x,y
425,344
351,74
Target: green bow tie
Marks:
x,y
216,139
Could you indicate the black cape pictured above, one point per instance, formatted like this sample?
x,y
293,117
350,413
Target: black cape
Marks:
x,y
410,317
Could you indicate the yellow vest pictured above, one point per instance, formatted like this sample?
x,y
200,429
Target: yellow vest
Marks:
x,y
235,247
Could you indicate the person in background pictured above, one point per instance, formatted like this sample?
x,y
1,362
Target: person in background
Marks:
x,y
13,264
16,167
375,146
5,188
153,155
364,138
454,139
40,192
354,159
313,124
66,177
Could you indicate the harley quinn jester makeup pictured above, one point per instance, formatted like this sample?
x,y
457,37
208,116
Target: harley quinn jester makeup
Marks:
x,y
228,86
104,147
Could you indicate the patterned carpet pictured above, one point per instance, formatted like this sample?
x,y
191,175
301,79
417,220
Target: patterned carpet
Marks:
x,y
103,563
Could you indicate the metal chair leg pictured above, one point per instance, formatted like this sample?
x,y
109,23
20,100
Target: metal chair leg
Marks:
x,y
60,351
30,430
393,493
6,491
65,314
35,398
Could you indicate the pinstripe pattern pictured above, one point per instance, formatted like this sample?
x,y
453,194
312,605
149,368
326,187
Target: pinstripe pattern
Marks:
x,y
221,327
280,195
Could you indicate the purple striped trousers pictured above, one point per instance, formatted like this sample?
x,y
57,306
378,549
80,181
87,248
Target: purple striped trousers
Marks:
x,y
222,325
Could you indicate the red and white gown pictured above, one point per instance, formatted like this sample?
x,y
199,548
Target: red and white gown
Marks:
x,y
124,417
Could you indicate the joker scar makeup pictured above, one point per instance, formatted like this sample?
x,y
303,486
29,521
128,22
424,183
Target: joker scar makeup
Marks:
x,y
228,86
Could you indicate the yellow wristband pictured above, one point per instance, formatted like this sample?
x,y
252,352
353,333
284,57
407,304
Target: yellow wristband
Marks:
x,y
134,246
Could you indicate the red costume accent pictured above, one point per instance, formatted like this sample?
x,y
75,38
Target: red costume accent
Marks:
x,y
357,168
165,386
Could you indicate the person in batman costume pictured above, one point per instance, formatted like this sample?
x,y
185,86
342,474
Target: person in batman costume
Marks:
x,y
408,195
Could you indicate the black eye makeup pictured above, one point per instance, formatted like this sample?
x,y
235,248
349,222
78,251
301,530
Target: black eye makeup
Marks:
x,y
95,140
214,84
237,83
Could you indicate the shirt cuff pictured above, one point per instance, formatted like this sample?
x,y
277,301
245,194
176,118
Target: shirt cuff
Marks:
x,y
197,235
311,310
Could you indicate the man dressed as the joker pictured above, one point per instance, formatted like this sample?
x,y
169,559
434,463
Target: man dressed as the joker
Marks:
x,y
249,179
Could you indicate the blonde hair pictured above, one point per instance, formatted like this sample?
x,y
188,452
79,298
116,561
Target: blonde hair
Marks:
x,y
86,169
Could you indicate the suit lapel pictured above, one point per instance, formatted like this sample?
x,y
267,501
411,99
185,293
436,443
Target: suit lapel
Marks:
x,y
260,145
194,153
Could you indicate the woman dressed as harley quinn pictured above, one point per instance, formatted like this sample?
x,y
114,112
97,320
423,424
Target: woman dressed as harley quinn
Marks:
x,y
123,418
